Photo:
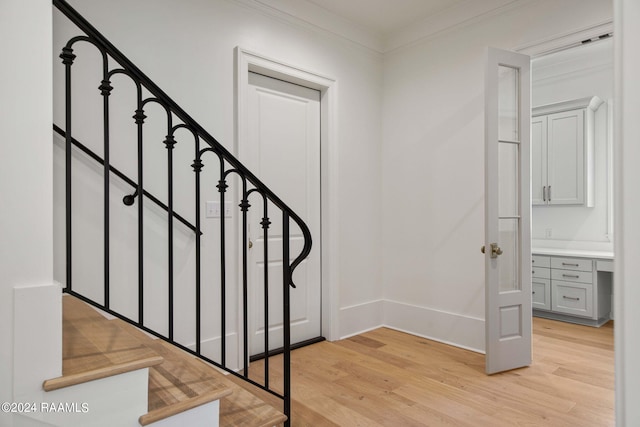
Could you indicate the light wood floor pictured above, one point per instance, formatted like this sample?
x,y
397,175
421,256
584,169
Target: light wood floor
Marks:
x,y
388,378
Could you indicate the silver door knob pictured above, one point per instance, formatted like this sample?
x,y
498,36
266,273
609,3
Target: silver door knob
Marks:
x,y
495,250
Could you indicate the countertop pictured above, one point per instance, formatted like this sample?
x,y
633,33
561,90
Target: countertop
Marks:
x,y
579,253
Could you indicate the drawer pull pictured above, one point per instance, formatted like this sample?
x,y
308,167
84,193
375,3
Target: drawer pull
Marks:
x,y
534,292
571,298
571,264
572,276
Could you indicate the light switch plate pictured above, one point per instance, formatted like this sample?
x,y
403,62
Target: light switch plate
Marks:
x,y
213,209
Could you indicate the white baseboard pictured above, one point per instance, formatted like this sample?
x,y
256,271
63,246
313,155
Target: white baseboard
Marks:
x,y
360,318
448,328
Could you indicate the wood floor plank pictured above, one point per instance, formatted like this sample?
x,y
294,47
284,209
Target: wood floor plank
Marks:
x,y
389,378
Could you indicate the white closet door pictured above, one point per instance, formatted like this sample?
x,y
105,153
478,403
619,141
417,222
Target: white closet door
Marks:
x,y
284,147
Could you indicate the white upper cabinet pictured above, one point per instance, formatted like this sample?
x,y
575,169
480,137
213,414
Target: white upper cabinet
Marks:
x,y
562,153
539,160
566,158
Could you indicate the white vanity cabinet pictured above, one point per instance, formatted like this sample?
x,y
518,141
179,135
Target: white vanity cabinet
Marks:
x,y
571,289
562,152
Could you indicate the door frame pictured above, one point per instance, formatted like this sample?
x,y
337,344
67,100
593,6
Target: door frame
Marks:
x,y
245,61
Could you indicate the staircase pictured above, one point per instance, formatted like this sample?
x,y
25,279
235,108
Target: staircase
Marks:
x,y
173,291
107,363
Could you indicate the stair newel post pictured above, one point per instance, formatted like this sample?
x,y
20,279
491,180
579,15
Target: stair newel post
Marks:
x,y
244,207
169,143
197,168
286,316
139,120
105,90
222,189
68,57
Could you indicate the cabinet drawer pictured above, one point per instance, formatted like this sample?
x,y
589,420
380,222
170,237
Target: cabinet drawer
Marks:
x,y
541,294
572,298
540,261
572,275
578,264
541,272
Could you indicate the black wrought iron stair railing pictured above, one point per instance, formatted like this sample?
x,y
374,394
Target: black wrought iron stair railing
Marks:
x,y
115,63
128,199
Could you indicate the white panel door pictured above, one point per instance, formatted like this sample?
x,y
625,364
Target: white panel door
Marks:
x,y
284,153
507,211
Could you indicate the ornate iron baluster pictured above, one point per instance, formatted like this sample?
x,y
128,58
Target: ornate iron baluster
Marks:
x,y
222,189
105,90
139,120
68,57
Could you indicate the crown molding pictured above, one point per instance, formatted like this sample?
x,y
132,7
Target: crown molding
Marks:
x,y
583,59
457,16
565,40
311,16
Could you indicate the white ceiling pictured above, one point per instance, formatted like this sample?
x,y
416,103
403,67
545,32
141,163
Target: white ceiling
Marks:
x,y
383,25
386,16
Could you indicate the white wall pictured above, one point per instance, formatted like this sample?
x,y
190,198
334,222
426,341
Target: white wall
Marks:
x,y
627,204
187,48
581,72
25,168
433,167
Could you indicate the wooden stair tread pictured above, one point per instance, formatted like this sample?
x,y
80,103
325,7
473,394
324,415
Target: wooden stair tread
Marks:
x,y
247,410
182,375
181,406
234,419
178,381
95,348
96,374
248,405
